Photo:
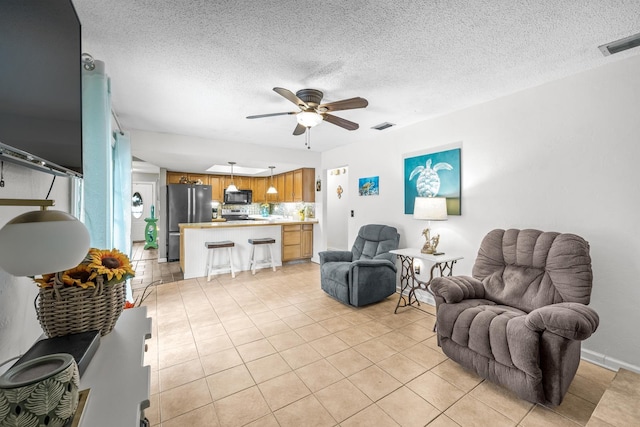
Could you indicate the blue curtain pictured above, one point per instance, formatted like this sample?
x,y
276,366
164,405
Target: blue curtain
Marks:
x,y
122,197
106,158
97,156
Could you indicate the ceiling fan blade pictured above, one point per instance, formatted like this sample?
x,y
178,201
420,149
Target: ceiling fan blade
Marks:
x,y
345,104
290,96
338,121
258,116
299,130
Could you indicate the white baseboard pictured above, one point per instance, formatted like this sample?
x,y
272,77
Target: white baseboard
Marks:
x,y
606,361
588,355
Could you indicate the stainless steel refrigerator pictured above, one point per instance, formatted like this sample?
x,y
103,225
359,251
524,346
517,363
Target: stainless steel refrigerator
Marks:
x,y
185,204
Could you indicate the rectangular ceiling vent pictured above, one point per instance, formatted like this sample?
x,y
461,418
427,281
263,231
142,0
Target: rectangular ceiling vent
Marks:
x,y
620,45
383,126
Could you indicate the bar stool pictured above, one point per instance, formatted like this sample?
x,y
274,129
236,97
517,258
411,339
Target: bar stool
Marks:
x,y
221,268
253,262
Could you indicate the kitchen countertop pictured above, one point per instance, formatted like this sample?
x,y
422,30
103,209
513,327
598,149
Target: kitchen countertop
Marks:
x,y
247,223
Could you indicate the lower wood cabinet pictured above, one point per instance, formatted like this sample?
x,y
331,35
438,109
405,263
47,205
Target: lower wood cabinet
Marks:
x,y
297,242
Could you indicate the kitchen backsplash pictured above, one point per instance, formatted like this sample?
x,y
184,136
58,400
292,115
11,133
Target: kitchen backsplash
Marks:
x,y
284,209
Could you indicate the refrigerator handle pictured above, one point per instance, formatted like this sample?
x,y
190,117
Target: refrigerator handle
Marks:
x,y
188,204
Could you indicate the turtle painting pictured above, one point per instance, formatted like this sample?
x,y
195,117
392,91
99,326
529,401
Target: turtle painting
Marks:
x,y
428,182
433,174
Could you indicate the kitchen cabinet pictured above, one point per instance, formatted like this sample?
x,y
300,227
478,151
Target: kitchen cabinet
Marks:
x,y
306,241
259,188
217,187
241,182
294,186
288,187
280,187
297,242
199,179
187,178
176,177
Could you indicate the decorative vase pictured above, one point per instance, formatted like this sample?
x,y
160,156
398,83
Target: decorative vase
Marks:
x,y
40,392
64,310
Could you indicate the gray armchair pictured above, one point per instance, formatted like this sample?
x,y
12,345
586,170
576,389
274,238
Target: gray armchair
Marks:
x,y
519,320
367,273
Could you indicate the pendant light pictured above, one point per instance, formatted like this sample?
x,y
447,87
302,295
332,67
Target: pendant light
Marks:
x,y
232,188
272,189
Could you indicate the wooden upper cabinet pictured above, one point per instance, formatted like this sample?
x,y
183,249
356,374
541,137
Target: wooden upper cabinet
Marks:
x,y
293,186
175,177
259,188
280,187
202,179
217,187
288,187
303,185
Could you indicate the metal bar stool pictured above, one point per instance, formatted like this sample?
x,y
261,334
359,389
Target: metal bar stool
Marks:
x,y
221,268
253,262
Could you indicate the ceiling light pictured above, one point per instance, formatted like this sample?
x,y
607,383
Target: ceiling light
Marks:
x,y
272,189
41,242
309,119
232,188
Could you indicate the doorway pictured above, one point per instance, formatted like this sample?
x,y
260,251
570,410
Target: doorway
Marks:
x,y
141,202
338,208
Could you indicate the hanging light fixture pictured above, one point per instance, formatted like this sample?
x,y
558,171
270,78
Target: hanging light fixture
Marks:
x,y
232,188
272,189
39,242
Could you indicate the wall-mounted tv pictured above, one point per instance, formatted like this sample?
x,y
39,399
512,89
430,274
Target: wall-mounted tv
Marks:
x,y
41,85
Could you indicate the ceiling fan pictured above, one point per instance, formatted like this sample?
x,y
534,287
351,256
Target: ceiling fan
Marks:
x,y
312,112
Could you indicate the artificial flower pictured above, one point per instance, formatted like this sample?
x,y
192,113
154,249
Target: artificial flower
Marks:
x,y
112,263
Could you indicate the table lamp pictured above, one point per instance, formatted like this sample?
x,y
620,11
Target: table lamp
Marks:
x,y
430,209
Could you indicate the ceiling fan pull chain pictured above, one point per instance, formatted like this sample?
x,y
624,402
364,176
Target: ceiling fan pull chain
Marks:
x,y
308,138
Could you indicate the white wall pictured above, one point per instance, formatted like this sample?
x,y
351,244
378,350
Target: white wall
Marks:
x,y
19,327
559,157
338,209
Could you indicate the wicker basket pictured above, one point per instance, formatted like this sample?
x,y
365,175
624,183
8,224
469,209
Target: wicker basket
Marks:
x,y
64,310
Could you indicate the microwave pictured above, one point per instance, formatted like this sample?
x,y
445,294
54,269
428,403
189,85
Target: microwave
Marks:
x,y
241,197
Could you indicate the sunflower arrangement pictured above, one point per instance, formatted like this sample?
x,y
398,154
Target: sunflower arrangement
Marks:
x,y
109,264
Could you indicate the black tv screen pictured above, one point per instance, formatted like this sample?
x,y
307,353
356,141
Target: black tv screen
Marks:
x,y
41,83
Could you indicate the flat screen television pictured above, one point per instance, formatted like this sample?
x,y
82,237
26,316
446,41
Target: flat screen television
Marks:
x,y
41,85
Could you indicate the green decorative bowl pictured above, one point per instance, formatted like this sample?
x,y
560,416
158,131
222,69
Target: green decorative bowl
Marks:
x,y
40,392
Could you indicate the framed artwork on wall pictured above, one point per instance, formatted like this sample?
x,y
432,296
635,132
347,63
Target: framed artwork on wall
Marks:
x,y
369,186
436,174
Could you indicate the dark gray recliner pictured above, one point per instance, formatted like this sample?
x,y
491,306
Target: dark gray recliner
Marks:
x,y
367,273
519,320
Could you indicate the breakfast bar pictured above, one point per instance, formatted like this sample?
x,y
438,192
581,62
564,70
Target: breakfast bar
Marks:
x,y
290,236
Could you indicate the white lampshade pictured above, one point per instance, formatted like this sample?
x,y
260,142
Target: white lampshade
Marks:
x,y
309,119
430,208
41,242
232,188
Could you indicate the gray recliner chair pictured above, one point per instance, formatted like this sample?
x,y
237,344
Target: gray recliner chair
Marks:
x,y
519,320
367,273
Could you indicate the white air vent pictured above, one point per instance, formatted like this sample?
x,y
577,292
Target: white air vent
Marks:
x,y
620,45
383,126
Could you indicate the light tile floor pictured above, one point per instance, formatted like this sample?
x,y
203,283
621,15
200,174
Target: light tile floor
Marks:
x,y
274,350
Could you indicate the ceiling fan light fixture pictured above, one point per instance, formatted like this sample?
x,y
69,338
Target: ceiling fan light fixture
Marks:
x,y
309,119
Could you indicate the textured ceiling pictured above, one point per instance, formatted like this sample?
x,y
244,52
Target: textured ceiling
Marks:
x,y
199,67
